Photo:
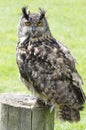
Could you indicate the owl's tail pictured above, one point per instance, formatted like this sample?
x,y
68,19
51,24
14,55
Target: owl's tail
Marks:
x,y
68,114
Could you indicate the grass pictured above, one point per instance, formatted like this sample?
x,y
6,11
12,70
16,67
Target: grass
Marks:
x,y
67,20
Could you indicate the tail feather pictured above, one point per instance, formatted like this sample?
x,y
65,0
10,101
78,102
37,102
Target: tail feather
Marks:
x,y
66,113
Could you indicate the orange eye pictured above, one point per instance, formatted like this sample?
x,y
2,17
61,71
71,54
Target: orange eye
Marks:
x,y
40,23
27,23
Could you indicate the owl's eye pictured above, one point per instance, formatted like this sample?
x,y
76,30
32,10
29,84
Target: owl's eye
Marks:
x,y
27,23
39,23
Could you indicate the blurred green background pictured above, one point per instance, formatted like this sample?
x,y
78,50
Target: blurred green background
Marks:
x,y
67,20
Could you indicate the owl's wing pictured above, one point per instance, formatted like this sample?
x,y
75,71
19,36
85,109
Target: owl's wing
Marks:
x,y
50,67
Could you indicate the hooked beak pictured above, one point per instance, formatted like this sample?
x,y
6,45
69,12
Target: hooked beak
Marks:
x,y
33,29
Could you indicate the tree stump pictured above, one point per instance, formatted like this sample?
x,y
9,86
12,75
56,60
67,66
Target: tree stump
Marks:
x,y
23,112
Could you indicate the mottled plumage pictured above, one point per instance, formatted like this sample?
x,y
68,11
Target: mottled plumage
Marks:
x,y
47,67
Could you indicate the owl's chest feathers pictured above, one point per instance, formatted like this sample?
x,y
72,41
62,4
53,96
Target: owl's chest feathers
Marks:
x,y
32,48
40,54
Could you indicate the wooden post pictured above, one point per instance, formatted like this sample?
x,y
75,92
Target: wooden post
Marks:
x,y
22,112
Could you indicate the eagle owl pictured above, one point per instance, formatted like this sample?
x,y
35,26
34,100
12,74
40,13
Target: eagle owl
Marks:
x,y
47,67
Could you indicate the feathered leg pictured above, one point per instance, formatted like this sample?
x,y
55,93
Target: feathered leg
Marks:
x,y
66,113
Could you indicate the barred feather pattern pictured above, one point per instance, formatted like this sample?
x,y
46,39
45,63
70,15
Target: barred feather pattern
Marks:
x,y
47,68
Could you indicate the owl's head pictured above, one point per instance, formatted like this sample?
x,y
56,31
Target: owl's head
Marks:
x,y
32,24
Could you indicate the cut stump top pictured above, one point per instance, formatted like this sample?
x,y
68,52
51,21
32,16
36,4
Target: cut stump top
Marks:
x,y
19,100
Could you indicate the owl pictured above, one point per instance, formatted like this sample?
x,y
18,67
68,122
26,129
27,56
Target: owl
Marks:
x,y
47,67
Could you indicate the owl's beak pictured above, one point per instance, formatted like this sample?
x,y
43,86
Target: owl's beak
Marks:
x,y
33,29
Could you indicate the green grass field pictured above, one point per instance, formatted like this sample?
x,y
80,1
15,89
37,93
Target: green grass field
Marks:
x,y
67,20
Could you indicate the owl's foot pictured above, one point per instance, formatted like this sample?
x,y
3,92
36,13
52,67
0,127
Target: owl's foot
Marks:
x,y
43,103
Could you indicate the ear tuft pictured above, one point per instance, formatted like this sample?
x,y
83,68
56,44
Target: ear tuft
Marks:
x,y
42,13
24,11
